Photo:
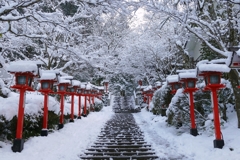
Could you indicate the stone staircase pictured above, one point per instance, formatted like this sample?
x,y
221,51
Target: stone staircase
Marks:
x,y
121,138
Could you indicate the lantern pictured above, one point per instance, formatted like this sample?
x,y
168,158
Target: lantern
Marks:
x,y
188,77
23,76
234,58
212,74
212,78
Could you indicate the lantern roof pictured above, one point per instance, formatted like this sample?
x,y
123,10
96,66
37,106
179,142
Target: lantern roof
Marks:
x,y
105,80
48,76
172,78
76,83
147,88
218,65
23,67
186,75
88,86
63,80
213,68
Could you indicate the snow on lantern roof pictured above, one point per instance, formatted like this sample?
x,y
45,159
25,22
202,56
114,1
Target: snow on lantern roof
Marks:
x,y
23,66
210,67
100,87
105,80
83,84
147,88
186,75
67,77
63,80
88,86
76,83
48,76
172,78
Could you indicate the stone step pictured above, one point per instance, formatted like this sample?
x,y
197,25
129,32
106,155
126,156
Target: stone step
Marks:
x,y
145,157
119,143
119,149
119,153
122,146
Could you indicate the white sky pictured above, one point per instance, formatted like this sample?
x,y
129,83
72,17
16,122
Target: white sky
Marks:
x,y
169,143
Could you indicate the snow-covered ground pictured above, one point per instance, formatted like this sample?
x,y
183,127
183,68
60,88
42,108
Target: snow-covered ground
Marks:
x,y
71,141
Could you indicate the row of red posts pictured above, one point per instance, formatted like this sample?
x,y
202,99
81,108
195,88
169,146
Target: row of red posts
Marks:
x,y
211,72
147,92
25,72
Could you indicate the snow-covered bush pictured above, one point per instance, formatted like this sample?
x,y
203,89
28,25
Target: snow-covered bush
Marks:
x,y
98,106
178,112
4,91
32,125
161,99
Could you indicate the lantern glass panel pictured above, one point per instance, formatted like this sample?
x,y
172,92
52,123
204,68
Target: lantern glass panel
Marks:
x,y
45,85
61,88
176,86
191,84
72,90
21,80
214,79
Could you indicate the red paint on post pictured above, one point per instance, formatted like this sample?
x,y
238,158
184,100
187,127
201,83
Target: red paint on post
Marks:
x,y
192,113
62,109
79,106
85,106
20,114
216,114
45,111
72,107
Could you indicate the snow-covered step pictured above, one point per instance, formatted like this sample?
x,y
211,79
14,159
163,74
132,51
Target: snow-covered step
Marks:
x,y
121,138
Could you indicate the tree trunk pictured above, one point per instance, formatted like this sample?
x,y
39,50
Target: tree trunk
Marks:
x,y
233,76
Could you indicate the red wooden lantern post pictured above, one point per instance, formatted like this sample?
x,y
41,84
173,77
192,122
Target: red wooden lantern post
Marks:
x,y
212,76
62,90
72,90
189,83
85,102
24,75
149,95
100,93
47,79
80,94
106,82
